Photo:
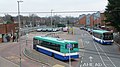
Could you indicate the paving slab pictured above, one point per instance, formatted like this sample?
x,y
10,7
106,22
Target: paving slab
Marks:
x,y
6,63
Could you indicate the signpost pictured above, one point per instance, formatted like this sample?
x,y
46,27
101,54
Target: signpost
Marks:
x,y
26,39
69,46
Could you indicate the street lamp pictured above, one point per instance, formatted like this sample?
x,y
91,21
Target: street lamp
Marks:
x,y
19,28
51,18
69,46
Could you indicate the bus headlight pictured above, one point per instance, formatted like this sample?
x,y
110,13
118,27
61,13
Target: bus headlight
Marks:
x,y
112,41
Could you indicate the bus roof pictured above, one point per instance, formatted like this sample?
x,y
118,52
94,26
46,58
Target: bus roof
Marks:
x,y
54,40
100,31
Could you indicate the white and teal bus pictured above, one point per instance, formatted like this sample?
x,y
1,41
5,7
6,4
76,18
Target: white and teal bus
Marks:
x,y
103,36
56,47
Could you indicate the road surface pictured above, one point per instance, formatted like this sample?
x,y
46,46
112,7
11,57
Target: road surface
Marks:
x,y
97,55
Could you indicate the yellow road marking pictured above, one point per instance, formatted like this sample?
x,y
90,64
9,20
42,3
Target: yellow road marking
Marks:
x,y
57,65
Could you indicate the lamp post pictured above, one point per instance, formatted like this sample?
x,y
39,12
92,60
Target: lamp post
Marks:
x,y
51,18
19,28
69,46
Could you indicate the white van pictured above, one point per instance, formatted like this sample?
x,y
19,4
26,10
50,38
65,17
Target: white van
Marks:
x,y
65,29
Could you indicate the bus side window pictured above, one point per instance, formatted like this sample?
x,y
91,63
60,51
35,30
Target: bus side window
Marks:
x,y
43,43
40,42
75,45
56,47
97,35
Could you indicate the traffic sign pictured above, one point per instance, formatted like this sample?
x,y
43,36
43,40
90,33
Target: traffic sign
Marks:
x,y
69,45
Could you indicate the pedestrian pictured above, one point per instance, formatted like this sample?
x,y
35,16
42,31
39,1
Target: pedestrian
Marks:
x,y
8,38
4,38
14,38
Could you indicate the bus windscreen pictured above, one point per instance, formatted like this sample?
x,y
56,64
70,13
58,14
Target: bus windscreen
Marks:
x,y
108,36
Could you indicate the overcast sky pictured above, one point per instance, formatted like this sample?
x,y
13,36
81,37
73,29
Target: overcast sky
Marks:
x,y
55,5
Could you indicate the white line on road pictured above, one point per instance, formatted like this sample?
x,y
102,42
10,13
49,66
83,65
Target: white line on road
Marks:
x,y
81,61
99,54
107,56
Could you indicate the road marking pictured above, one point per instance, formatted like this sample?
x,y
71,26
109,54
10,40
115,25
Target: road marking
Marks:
x,y
80,66
99,54
87,42
57,65
91,58
109,65
81,61
107,56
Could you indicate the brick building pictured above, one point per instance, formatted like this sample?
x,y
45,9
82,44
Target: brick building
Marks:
x,y
82,20
102,19
8,29
92,20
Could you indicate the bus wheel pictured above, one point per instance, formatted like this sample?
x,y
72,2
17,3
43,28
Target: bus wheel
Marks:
x,y
52,55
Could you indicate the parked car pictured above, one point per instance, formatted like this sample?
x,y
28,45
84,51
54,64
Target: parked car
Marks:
x,y
39,30
82,28
90,30
55,29
44,30
65,29
49,29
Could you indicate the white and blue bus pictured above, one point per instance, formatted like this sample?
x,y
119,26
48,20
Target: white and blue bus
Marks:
x,y
103,36
56,47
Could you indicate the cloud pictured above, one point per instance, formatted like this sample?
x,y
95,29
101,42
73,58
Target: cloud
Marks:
x,y
56,5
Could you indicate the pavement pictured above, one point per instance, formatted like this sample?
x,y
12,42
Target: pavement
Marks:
x,y
4,62
10,53
31,54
